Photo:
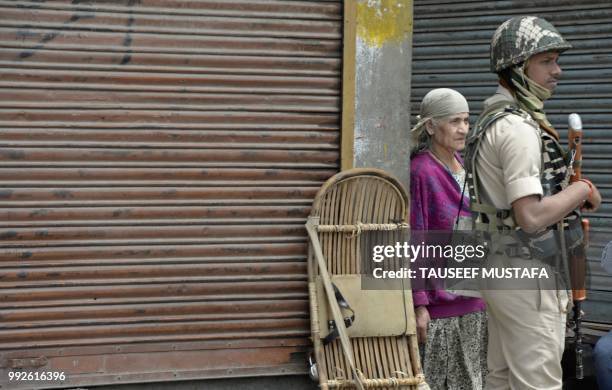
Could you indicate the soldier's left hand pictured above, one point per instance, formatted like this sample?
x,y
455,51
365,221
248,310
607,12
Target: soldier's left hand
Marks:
x,y
593,201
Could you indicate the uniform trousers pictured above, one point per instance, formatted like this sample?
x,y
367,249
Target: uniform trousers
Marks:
x,y
526,336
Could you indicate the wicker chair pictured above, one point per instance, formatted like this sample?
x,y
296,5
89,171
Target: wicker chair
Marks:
x,y
352,211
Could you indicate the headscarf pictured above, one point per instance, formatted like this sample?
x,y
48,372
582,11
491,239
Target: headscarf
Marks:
x,y
530,96
438,103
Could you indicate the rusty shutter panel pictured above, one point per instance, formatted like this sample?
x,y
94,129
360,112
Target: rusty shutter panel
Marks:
x,y
158,160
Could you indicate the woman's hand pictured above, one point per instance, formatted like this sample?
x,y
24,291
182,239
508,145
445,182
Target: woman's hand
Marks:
x,y
422,321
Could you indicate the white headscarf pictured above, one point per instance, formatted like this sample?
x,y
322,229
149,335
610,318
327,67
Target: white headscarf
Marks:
x,y
440,103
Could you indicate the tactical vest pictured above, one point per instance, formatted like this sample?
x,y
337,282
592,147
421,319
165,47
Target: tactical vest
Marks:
x,y
554,177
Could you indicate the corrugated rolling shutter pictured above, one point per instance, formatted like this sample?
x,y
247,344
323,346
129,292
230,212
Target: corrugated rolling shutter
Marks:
x,y
451,49
158,160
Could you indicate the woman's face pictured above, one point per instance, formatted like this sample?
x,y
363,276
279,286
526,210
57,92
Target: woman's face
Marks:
x,y
451,131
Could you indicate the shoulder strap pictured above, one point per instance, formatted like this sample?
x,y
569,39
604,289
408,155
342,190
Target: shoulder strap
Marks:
x,y
486,216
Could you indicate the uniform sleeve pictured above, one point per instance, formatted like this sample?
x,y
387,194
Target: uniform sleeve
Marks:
x,y
519,152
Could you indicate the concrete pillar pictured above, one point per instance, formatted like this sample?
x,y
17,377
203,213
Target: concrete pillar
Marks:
x,y
381,97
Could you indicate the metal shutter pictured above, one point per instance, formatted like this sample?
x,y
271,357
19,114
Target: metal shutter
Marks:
x,y
451,49
158,160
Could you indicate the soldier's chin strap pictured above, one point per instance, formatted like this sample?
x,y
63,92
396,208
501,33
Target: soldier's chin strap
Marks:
x,y
530,97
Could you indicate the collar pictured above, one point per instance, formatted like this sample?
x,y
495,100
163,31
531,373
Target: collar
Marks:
x,y
502,94
505,92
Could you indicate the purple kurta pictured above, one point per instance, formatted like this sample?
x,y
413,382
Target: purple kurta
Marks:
x,y
435,197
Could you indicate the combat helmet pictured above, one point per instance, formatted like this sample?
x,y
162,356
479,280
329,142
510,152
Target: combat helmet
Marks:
x,y
519,38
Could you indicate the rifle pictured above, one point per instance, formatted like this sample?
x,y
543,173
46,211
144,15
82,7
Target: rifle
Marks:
x,y
577,255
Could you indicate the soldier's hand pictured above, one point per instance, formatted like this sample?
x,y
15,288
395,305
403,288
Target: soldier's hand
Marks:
x,y
422,322
593,201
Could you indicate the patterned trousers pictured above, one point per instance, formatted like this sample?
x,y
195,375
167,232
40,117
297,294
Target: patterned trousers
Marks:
x,y
454,356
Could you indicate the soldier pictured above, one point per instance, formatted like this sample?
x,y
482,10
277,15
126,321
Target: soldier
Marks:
x,y
518,177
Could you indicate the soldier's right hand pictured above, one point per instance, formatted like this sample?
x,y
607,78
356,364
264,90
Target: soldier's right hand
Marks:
x,y
593,202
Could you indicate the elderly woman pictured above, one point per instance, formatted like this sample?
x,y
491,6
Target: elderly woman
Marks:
x,y
452,329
